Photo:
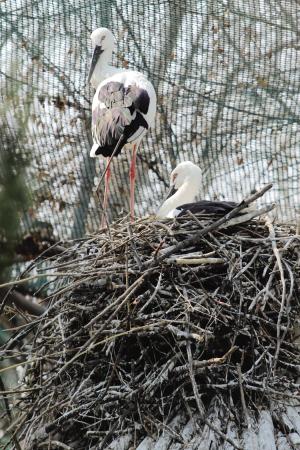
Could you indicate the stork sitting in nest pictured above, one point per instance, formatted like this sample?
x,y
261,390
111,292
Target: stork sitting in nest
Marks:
x,y
185,185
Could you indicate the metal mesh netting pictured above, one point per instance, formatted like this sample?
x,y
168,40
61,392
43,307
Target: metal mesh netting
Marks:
x,y
227,78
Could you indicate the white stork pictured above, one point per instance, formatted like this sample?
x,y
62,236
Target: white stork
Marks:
x,y
185,185
123,109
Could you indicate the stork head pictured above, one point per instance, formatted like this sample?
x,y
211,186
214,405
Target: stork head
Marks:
x,y
185,184
103,42
103,38
186,173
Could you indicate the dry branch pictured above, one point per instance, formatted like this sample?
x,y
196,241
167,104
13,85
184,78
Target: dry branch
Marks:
x,y
157,319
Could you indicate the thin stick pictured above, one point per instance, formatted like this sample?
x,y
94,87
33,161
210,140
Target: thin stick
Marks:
x,y
242,394
283,295
33,277
195,261
249,216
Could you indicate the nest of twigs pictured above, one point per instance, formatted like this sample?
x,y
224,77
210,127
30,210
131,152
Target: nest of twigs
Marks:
x,y
155,318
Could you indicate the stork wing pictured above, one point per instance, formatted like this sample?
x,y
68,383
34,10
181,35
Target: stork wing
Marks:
x,y
118,118
206,207
108,124
140,98
114,94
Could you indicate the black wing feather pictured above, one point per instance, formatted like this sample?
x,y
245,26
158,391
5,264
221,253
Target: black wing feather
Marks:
x,y
207,207
140,98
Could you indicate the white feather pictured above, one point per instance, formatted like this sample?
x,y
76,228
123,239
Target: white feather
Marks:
x,y
93,151
187,179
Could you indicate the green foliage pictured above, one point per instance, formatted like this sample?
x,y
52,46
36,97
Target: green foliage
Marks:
x,y
14,196
13,200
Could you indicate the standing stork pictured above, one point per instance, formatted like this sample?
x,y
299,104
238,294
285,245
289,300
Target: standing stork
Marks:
x,y
123,109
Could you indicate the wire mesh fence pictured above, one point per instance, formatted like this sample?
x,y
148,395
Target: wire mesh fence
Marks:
x,y
227,77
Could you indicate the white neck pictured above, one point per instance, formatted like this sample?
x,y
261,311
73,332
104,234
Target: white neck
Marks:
x,y
103,69
185,194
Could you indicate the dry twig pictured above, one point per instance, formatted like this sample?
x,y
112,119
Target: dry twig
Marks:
x,y
154,320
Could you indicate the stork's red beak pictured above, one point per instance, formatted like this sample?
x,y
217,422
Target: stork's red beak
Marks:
x,y
96,54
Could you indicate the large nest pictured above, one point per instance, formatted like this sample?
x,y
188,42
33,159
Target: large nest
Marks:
x,y
154,319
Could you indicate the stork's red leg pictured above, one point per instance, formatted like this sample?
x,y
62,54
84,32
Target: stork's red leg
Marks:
x,y
106,191
132,181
